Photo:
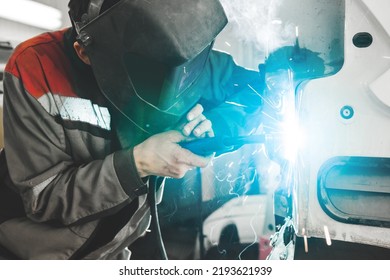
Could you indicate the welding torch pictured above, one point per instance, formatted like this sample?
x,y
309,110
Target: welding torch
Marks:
x,y
222,144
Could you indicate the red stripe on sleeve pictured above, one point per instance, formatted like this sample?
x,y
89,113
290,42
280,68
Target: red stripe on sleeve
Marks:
x,y
42,66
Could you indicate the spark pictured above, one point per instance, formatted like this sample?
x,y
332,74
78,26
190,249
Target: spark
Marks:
x,y
169,216
327,236
273,128
221,176
216,243
269,116
262,97
255,239
305,241
235,104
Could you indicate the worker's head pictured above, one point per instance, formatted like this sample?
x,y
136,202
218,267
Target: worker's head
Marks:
x,y
148,55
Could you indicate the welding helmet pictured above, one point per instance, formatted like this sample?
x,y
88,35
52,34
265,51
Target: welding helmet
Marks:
x,y
148,56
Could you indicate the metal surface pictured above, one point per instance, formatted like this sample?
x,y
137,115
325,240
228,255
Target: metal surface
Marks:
x,y
331,131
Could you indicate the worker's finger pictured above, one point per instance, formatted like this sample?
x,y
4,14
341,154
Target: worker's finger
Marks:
x,y
189,127
195,112
203,129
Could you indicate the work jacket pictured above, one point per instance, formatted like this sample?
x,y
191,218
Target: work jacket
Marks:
x,y
70,190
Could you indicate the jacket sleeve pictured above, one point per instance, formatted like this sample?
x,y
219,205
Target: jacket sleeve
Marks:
x,y
53,186
233,98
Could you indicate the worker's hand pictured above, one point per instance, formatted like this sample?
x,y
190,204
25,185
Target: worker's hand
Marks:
x,y
197,124
160,155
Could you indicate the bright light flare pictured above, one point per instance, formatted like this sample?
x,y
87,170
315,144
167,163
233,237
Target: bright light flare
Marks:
x,y
31,13
292,139
281,99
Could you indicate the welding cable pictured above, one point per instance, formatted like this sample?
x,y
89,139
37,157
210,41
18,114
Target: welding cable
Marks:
x,y
155,225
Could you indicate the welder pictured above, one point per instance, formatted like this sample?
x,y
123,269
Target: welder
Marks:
x,y
93,118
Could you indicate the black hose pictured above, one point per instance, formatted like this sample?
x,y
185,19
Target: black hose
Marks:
x,y
155,225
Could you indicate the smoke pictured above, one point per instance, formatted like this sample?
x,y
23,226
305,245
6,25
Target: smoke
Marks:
x,y
256,22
